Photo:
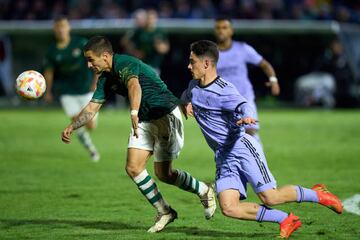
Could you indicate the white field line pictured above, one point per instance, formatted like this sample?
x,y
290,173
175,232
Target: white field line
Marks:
x,y
352,204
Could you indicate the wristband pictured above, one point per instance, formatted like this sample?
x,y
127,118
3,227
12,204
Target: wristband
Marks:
x,y
134,112
273,79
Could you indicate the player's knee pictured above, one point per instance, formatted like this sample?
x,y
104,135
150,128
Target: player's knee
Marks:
x,y
91,125
133,170
227,209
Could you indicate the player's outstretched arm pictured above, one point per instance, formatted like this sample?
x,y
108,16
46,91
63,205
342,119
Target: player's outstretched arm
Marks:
x,y
83,118
270,73
49,77
134,92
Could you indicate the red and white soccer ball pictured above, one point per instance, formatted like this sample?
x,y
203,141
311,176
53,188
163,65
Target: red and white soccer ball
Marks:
x,y
30,85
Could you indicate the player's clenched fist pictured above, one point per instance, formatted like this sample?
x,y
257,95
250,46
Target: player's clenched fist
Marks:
x,y
247,120
65,136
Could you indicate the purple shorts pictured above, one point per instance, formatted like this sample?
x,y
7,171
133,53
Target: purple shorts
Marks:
x,y
244,163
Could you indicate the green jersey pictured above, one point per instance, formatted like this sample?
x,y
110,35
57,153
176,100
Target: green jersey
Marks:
x,y
144,41
71,75
156,98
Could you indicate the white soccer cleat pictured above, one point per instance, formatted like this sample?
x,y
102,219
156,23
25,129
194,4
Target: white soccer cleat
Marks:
x,y
209,202
162,220
95,156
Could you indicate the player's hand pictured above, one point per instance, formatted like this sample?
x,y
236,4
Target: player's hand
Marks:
x,y
275,88
48,97
187,110
66,134
135,123
246,121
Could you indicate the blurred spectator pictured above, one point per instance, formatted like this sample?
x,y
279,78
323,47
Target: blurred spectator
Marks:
x,y
182,9
226,8
165,9
343,11
203,9
6,80
335,63
148,43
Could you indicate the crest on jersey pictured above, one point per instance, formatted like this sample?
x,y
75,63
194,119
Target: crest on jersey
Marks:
x,y
76,52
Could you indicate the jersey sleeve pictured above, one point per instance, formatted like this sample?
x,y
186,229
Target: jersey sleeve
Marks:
x,y
252,56
128,70
99,95
186,95
237,104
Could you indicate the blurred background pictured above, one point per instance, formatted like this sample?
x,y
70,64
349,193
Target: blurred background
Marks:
x,y
312,44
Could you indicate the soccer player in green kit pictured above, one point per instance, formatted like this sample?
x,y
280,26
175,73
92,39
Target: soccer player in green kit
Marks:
x,y
157,127
66,73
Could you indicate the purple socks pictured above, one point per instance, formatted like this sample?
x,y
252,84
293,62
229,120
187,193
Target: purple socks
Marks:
x,y
266,214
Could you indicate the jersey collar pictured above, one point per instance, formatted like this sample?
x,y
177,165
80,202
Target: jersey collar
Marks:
x,y
209,84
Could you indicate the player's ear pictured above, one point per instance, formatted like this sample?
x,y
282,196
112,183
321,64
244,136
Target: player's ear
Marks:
x,y
207,63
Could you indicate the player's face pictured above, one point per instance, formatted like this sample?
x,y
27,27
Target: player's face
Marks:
x,y
96,63
196,66
62,29
223,30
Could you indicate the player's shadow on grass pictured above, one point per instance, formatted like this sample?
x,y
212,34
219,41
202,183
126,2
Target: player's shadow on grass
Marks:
x,y
57,223
107,225
195,231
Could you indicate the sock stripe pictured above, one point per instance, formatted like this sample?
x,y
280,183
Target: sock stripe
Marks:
x,y
147,179
190,184
301,194
183,185
149,189
196,187
155,198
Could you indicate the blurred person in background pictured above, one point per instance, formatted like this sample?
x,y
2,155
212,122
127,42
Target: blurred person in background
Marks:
x,y
148,43
232,66
67,75
6,79
139,17
334,62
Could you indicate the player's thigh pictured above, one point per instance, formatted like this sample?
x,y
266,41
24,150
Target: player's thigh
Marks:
x,y
254,166
136,160
228,198
71,105
139,148
169,137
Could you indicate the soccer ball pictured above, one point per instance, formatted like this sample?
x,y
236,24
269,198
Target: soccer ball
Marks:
x,y
30,85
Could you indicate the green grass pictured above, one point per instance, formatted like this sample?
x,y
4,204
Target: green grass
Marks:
x,y
49,190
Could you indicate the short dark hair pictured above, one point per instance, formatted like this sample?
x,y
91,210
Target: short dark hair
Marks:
x,y
223,18
98,45
206,48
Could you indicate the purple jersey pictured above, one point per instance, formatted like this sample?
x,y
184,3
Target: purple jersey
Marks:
x,y
217,107
232,67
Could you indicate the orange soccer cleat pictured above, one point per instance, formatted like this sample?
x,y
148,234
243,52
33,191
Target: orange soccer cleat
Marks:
x,y
289,225
328,199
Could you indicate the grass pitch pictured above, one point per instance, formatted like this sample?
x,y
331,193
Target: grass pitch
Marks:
x,y
49,190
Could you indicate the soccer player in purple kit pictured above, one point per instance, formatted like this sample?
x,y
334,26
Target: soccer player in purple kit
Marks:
x,y
232,66
221,113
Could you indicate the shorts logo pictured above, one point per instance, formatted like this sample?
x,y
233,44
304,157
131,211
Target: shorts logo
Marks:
x,y
259,184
